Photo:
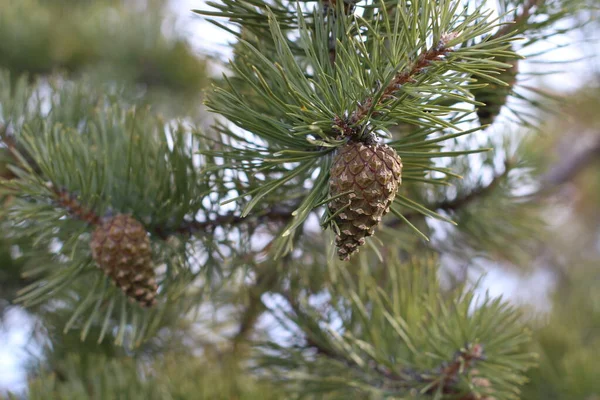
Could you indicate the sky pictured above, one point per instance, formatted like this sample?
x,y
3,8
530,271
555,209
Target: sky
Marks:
x,y
205,37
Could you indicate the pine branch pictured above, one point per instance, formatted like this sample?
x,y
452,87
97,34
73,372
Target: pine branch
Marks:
x,y
303,119
189,228
17,154
281,214
444,378
571,165
69,202
408,75
310,341
276,214
476,194
330,9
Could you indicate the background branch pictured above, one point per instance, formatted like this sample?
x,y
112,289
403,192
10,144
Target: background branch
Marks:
x,y
444,378
521,19
459,202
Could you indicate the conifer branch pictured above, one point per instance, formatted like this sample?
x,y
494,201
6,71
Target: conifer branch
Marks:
x,y
16,152
444,378
62,197
329,9
276,214
69,202
476,194
310,341
11,145
407,75
571,165
282,214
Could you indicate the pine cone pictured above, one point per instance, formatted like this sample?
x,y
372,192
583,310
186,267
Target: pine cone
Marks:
x,y
121,248
494,96
371,173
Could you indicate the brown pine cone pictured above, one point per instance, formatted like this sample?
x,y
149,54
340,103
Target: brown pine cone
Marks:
x,y
121,248
371,174
494,95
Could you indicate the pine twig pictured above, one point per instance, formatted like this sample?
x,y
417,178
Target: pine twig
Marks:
x,y
276,214
571,165
443,378
446,376
70,203
329,9
476,194
403,77
310,341
12,146
566,170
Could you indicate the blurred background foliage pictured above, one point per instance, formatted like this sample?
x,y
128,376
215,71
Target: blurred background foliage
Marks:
x,y
132,43
533,211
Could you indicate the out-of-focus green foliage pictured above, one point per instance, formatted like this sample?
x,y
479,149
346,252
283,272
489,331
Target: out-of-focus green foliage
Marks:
x,y
397,334
171,377
158,182
568,340
108,39
567,161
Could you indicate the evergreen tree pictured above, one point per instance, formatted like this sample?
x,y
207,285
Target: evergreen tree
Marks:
x,y
316,235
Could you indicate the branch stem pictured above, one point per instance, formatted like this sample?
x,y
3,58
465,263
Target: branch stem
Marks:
x,y
444,378
407,75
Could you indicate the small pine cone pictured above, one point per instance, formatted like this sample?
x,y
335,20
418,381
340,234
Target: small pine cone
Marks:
x,y
371,174
495,96
121,248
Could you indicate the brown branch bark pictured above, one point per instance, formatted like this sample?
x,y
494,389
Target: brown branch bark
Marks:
x,y
571,165
447,377
9,141
275,214
70,203
330,10
283,214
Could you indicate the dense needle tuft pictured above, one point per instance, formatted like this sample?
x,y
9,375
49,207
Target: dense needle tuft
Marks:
x,y
366,178
121,248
